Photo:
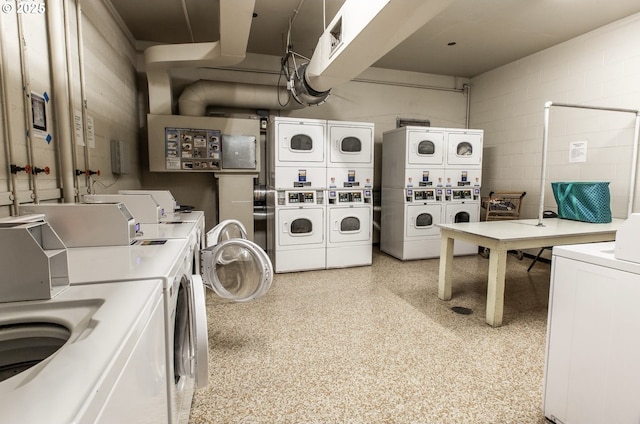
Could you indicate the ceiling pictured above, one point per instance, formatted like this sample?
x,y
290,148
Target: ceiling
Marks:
x,y
487,34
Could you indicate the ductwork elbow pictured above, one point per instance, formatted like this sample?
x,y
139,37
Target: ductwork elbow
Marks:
x,y
302,91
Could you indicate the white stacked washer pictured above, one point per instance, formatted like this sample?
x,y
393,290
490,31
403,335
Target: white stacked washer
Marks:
x,y
350,193
413,173
296,209
463,177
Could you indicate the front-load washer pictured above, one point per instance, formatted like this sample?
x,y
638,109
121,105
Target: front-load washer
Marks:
x,y
409,225
464,148
349,228
296,223
462,211
92,354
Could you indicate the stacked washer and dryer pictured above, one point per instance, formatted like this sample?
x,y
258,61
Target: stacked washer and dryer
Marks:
x,y
430,176
320,201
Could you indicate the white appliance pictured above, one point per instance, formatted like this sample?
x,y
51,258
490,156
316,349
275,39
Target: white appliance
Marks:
x,y
143,207
592,372
350,155
409,222
164,198
349,228
296,223
462,208
464,148
298,158
93,354
413,157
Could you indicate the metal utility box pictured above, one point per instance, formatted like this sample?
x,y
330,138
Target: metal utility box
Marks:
x,y
33,261
203,144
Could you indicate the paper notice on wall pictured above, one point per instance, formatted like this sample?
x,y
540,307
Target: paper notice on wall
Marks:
x,y
578,151
91,137
77,127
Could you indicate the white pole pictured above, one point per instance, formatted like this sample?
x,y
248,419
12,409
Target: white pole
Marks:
x,y
545,142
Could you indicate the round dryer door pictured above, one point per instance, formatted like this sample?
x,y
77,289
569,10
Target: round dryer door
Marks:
x,y
226,230
237,270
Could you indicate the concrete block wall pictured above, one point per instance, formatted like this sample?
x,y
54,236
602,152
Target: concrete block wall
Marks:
x,y
600,68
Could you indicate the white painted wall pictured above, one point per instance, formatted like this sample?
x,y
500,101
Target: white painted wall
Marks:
x,y
111,93
600,68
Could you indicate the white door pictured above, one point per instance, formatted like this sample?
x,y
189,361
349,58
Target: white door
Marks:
x,y
349,224
425,147
350,144
422,220
300,142
462,212
300,226
464,148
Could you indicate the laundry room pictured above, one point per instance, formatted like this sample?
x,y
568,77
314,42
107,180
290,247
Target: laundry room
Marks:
x,y
319,211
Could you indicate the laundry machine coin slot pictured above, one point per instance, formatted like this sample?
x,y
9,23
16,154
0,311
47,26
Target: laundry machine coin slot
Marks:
x,y
24,345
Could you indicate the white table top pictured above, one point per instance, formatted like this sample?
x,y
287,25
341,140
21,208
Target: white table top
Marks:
x,y
524,229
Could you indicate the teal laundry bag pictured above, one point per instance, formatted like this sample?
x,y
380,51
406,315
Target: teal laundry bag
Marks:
x,y
583,201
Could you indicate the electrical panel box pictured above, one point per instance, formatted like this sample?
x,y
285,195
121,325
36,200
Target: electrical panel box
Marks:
x,y
119,157
203,144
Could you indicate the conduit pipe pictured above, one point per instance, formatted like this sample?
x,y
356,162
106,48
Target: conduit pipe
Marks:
x,y
28,113
7,127
235,24
196,97
359,36
83,94
545,143
61,99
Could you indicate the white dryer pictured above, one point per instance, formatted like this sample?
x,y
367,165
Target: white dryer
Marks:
x,y
92,354
459,209
464,148
296,230
409,223
298,158
349,228
350,155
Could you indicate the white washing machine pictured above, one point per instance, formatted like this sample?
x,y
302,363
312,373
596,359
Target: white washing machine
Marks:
x,y
92,354
413,157
409,222
296,223
350,155
464,148
298,154
349,228
462,205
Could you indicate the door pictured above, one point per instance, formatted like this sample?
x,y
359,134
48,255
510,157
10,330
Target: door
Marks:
x,y
300,226
422,220
425,147
347,224
226,230
300,142
462,212
464,148
350,144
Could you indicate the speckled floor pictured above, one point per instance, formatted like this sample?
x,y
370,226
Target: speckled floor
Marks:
x,y
376,345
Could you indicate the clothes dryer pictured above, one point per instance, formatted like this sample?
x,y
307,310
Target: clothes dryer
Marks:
x,y
459,209
464,148
296,230
409,223
350,155
349,228
298,158
92,354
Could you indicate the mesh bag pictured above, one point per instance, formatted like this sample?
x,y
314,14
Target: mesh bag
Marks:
x,y
583,201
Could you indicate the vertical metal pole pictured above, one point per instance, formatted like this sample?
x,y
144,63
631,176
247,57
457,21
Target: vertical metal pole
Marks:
x,y
545,142
634,165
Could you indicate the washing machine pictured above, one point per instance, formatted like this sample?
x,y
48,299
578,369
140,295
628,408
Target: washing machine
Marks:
x,y
350,155
92,354
413,157
298,154
409,222
462,205
464,147
349,228
143,207
296,223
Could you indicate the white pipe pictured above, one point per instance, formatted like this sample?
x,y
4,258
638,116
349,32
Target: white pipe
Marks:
x,y
28,113
196,97
83,92
71,103
7,127
545,143
467,89
634,166
61,99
